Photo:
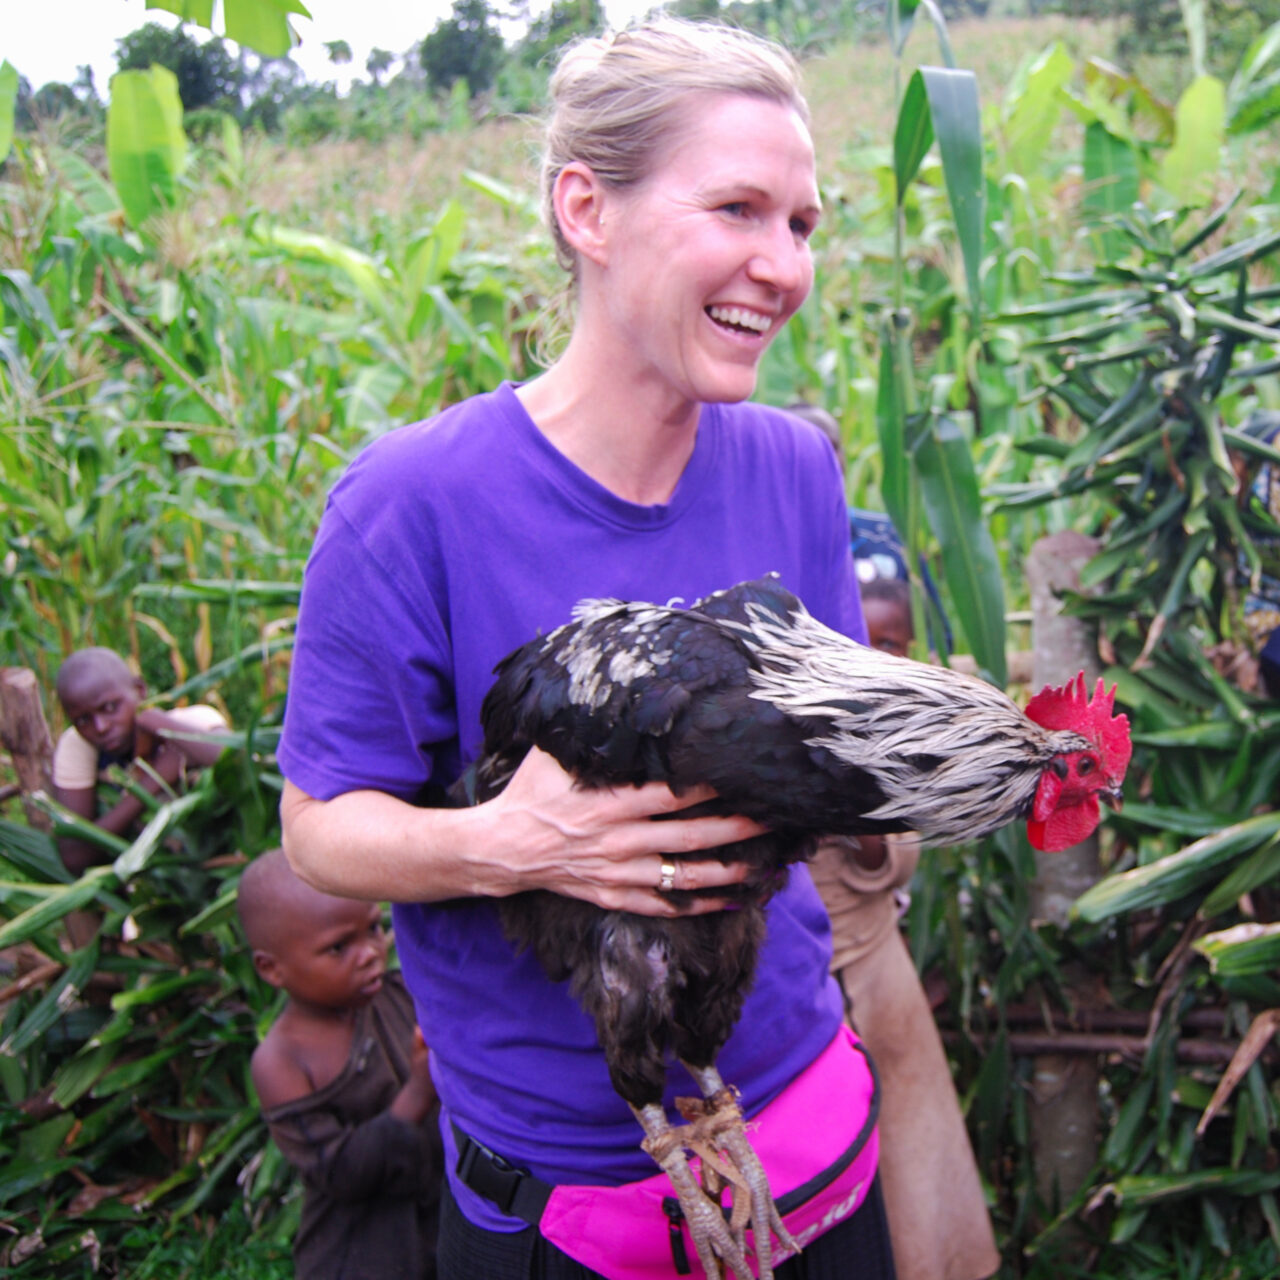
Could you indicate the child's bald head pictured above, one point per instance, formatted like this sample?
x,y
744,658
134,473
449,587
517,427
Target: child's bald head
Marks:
x,y
100,696
89,667
323,950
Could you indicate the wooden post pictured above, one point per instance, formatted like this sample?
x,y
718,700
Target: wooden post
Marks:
x,y
24,733
1064,1110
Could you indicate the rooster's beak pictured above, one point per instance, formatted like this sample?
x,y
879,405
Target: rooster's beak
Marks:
x,y
1112,798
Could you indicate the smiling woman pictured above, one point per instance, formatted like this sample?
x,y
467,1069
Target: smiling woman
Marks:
x,y
680,190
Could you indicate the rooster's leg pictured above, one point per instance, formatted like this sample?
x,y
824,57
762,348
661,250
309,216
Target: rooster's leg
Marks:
x,y
710,1232
724,1127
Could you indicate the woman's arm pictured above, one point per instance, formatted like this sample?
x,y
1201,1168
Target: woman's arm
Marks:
x,y
542,832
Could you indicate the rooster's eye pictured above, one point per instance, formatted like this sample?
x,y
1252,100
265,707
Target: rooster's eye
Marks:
x,y
1086,765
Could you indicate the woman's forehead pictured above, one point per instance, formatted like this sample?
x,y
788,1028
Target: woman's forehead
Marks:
x,y
740,139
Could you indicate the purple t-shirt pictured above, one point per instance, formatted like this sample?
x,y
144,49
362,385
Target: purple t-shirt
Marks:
x,y
446,545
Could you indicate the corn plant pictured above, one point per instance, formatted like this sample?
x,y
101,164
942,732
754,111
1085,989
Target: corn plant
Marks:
x,y
1160,365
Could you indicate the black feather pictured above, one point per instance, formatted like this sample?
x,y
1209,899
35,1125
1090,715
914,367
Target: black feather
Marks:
x,y
736,692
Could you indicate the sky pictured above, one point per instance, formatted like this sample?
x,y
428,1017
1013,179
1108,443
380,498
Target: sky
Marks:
x,y
48,39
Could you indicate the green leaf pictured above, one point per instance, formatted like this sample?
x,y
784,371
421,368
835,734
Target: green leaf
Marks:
x,y
1147,1188
957,122
146,147
1259,868
971,566
57,905
95,194
310,246
140,852
221,909
1253,100
940,30
891,415
1242,950
1173,877
8,102
913,135
1193,20
1110,177
1032,114
162,989
1191,165
56,999
262,25
198,11
33,852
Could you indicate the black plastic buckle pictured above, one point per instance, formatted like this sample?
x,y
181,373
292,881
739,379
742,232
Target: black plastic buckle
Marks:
x,y
488,1174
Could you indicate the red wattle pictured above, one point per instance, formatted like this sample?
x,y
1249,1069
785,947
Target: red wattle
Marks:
x,y
1064,827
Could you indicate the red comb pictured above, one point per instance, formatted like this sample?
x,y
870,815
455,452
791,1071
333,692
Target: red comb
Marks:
x,y
1070,707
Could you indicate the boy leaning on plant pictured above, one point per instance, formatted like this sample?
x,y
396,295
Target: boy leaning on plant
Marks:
x,y
100,696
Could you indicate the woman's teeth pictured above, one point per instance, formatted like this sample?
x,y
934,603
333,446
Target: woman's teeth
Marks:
x,y
740,319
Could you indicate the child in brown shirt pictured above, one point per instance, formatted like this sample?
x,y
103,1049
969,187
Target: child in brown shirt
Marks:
x,y
343,1080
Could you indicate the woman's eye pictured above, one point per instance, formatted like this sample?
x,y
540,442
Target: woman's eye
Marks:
x,y
802,228
735,208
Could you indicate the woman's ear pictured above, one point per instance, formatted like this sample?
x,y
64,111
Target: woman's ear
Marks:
x,y
579,200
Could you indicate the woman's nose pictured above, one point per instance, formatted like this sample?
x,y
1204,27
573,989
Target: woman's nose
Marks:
x,y
783,259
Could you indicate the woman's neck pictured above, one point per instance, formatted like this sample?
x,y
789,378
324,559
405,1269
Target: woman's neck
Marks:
x,y
635,440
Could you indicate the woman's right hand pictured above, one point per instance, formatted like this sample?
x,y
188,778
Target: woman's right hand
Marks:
x,y
603,845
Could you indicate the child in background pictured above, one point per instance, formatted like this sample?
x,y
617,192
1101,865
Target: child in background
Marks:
x,y
343,1080
886,606
938,1217
100,697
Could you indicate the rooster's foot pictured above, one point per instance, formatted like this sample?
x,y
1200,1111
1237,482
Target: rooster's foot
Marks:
x,y
712,1236
719,1119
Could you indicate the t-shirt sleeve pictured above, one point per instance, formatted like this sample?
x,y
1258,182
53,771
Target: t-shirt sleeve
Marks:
x,y
75,763
199,717
844,604
370,701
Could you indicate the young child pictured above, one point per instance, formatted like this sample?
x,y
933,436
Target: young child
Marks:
x,y
933,1196
343,1081
886,606
100,697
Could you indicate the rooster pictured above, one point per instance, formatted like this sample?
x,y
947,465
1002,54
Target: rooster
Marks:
x,y
810,734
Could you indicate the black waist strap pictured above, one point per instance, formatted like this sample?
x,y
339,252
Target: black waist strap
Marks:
x,y
514,1191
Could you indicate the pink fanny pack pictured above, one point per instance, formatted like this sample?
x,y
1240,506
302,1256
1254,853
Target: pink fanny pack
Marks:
x,y
817,1141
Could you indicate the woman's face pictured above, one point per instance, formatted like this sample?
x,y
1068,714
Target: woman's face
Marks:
x,y
707,258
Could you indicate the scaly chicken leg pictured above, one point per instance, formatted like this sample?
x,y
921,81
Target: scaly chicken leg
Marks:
x,y
712,1235
719,1120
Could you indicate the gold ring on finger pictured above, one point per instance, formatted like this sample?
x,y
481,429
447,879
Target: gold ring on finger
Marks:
x,y
667,882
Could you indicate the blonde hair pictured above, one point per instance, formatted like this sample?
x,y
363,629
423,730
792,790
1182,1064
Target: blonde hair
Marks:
x,y
615,99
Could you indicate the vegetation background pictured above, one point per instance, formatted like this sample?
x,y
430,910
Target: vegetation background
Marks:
x,y
1045,300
